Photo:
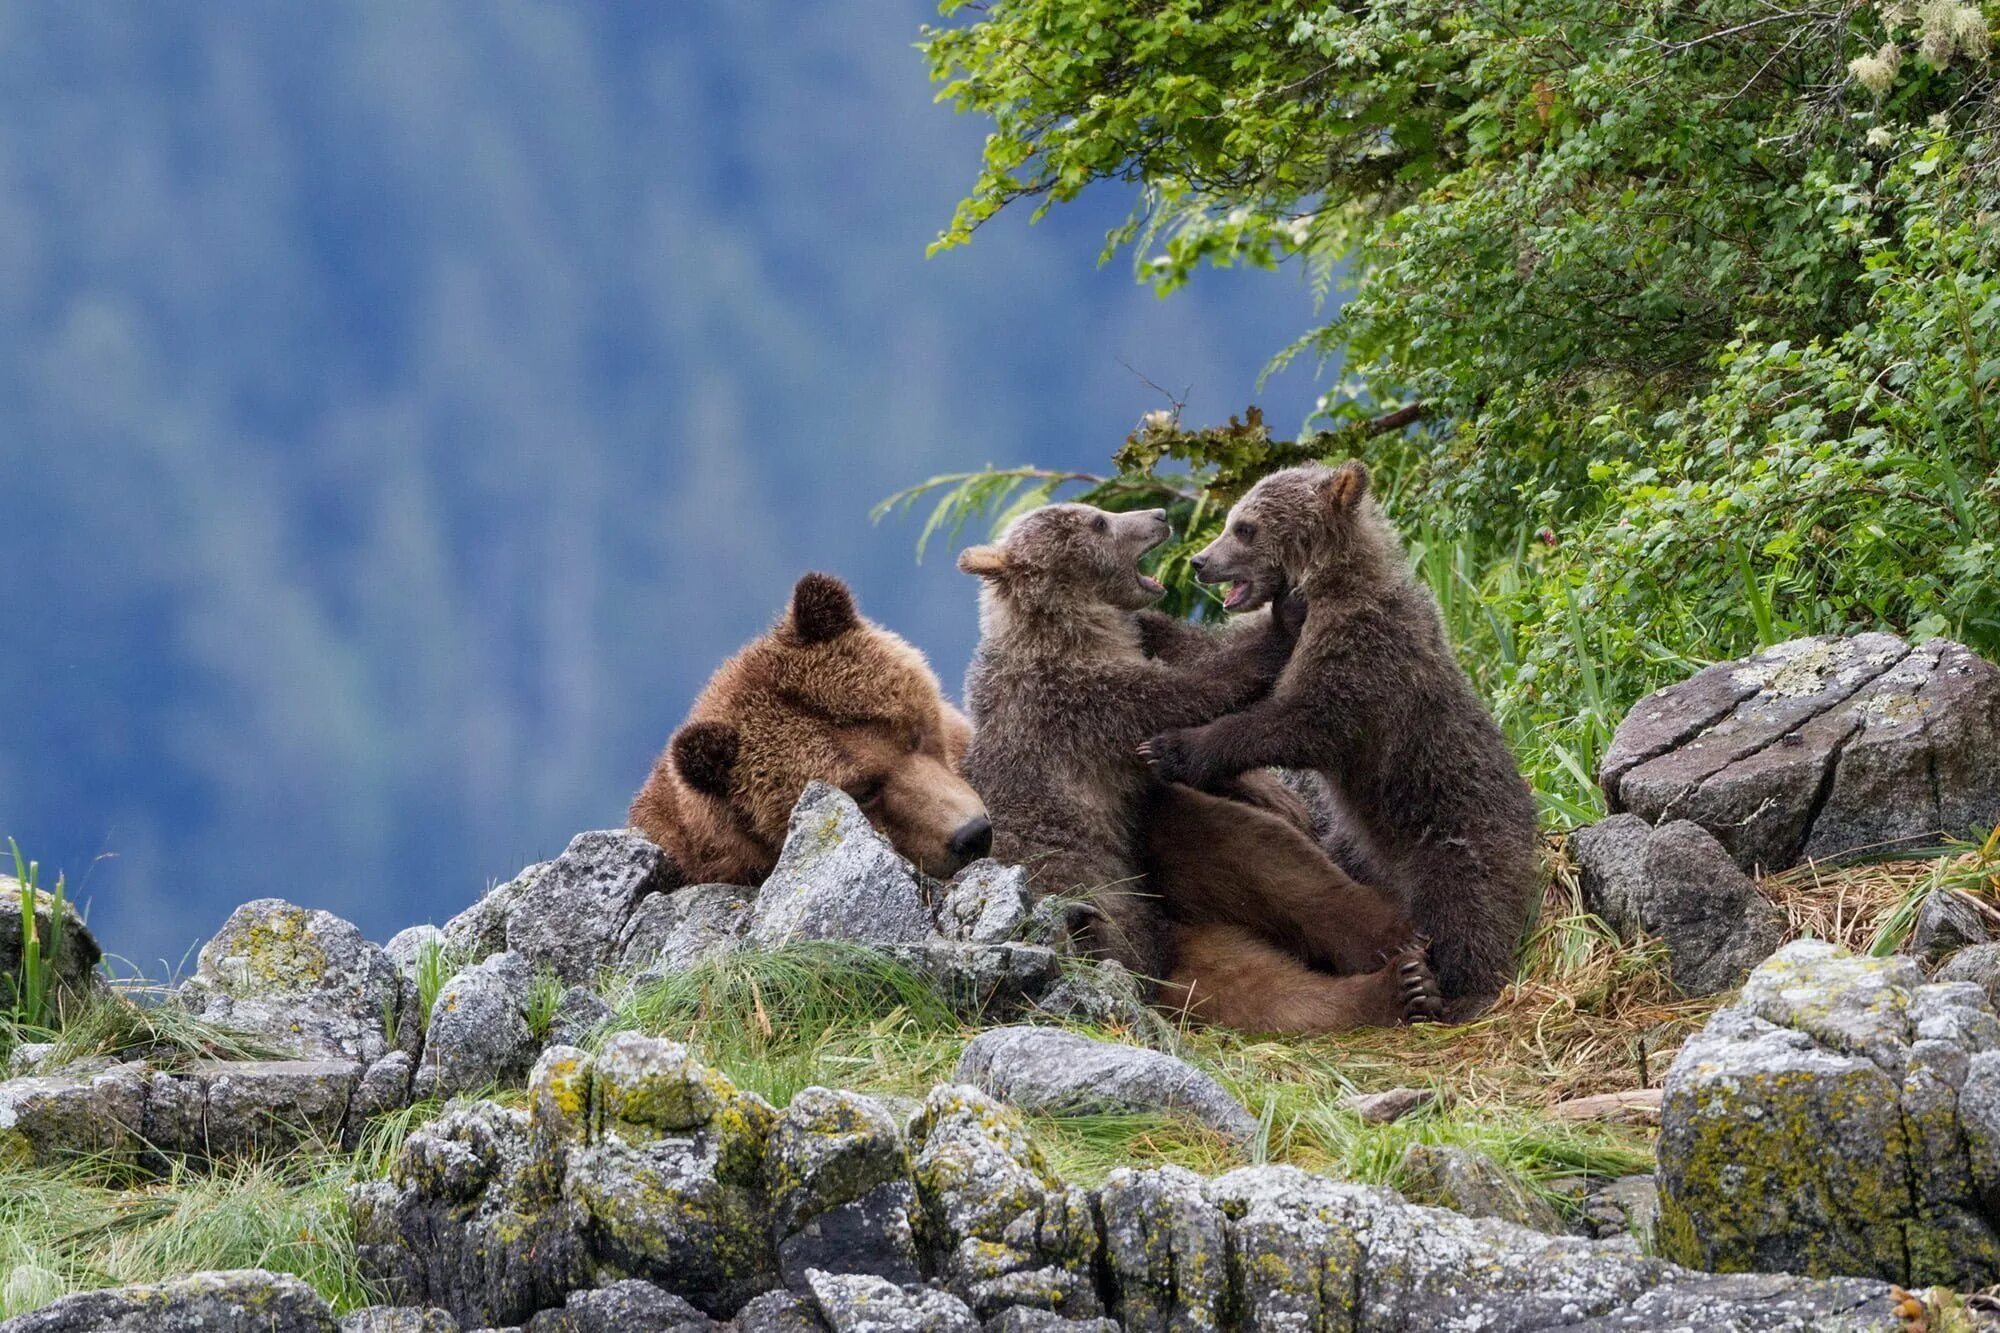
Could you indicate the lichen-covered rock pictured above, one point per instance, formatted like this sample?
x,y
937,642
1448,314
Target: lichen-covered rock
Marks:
x,y
1102,993
303,980
72,953
1831,1122
1003,1229
987,903
245,1300
398,1319
1052,1072
842,1199
1468,1182
255,1108
1948,921
407,948
481,929
571,917
780,1312
679,931
981,981
91,1111
630,1306
1024,1319
1166,1249
838,879
579,1013
1626,1207
478,1033
863,1303
384,1086
1677,883
1817,748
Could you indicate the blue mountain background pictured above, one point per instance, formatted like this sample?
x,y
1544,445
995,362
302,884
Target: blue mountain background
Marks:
x,y
404,408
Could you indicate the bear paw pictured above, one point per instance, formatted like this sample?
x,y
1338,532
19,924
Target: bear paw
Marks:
x,y
1171,757
1423,1002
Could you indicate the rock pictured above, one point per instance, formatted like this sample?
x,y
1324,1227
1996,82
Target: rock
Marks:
x,y
481,929
981,981
384,1086
679,931
1051,1072
1634,1106
1835,1120
1471,1183
987,903
1627,1206
838,879
623,1307
1022,1319
478,1033
780,1312
303,980
1978,964
1677,883
570,919
398,1319
254,1108
1165,1250
838,1173
97,1112
1817,748
1103,994
579,1013
76,951
246,1300
1947,922
1005,1230
861,1303
407,948
1386,1108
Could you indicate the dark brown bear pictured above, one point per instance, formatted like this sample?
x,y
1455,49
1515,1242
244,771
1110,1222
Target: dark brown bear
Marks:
x,y
1374,699
824,694
1062,692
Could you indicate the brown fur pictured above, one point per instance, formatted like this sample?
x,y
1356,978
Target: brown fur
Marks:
x,y
1062,688
1430,798
824,694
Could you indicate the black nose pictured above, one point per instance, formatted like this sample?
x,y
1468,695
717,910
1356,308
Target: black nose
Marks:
x,y
973,839
1198,563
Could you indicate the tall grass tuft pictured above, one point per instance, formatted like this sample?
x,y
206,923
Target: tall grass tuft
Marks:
x,y
35,997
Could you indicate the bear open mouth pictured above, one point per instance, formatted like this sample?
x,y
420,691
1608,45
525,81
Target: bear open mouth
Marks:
x,y
1151,584
1239,593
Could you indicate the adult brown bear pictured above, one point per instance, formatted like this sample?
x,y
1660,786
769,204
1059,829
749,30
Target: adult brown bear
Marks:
x,y
823,694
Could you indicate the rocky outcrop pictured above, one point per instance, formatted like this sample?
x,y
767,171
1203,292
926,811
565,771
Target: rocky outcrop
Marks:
x,y
1817,748
1948,921
673,932
237,1301
1677,884
1842,1117
1471,1183
570,917
478,1033
1051,1072
837,879
987,903
71,951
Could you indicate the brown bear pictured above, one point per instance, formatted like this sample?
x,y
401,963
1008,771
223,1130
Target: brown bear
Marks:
x,y
1374,699
824,694
1062,691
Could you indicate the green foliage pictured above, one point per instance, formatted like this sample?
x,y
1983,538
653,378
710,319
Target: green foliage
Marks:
x,y
33,1001
545,994
1669,331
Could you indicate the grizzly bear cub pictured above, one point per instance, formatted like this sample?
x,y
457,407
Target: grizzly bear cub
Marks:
x,y
824,694
1374,699
1062,691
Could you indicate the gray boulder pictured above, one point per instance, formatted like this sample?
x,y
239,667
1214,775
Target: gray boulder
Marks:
x,y
75,951
398,1319
1051,1072
863,1303
96,1110
838,879
571,918
481,929
407,947
981,982
679,931
987,903
838,1173
1817,748
630,1306
1978,964
1390,1105
303,980
1024,1319
780,1312
1676,883
1166,1248
1468,1182
252,1108
1840,1118
246,1300
478,1032
1101,993
1627,1206
1948,921
579,1013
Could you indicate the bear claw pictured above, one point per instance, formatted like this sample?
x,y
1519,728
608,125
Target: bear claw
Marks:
x,y
1423,1002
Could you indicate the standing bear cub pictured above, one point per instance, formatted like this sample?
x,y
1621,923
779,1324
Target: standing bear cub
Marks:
x,y
1372,698
1235,899
823,694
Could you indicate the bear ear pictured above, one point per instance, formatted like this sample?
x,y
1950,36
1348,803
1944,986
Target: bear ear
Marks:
x,y
1349,482
704,755
822,609
984,561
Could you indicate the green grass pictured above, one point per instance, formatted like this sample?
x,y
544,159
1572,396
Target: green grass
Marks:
x,y
34,998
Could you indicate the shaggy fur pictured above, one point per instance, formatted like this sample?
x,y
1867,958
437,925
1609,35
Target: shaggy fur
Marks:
x,y
824,694
1063,690
1430,798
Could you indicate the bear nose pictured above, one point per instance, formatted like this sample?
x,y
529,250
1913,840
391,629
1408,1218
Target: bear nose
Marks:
x,y
973,840
1198,561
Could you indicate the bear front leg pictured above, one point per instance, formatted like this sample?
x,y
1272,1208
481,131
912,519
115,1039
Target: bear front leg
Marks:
x,y
1267,734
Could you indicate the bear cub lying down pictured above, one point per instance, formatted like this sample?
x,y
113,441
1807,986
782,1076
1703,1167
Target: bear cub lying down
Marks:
x,y
1239,899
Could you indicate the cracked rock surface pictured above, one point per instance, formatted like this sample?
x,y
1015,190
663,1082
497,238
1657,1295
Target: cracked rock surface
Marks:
x,y
1817,748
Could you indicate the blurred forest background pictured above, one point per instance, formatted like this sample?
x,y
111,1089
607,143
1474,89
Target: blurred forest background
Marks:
x,y
404,408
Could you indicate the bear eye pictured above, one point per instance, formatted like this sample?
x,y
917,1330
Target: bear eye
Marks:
x,y
1100,524
866,792
1246,531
